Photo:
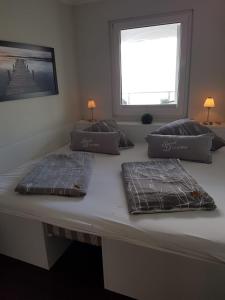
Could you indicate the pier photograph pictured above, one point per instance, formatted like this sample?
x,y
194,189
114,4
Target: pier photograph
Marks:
x,y
26,71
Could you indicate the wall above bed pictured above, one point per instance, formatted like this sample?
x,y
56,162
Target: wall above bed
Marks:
x,y
207,75
44,23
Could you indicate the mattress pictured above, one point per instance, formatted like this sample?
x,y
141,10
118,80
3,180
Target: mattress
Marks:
x,y
103,211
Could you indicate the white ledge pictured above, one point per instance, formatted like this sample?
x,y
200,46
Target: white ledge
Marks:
x,y
137,131
133,123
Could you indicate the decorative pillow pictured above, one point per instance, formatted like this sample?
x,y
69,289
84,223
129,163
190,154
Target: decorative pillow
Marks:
x,y
98,142
193,148
111,126
189,127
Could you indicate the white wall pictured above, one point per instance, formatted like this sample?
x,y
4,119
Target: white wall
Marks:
x,y
45,23
207,76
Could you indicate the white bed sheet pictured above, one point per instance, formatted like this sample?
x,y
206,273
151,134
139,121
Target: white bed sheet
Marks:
x,y
199,234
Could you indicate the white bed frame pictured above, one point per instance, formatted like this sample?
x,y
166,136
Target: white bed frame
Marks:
x,y
148,274
26,240
139,272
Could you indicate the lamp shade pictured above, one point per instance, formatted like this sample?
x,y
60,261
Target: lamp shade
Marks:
x,y
209,102
91,103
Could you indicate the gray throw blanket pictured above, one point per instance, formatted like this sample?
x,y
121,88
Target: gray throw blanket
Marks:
x,y
59,174
162,185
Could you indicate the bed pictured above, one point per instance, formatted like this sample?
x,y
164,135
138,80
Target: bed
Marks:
x,y
198,235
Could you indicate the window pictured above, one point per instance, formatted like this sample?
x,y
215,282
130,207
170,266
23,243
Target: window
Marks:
x,y
150,65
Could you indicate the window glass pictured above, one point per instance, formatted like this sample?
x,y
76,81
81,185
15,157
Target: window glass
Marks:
x,y
149,65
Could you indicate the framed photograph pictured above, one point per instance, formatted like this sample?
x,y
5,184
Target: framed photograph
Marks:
x,y
26,71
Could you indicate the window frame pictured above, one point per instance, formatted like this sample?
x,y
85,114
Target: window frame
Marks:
x,y
160,112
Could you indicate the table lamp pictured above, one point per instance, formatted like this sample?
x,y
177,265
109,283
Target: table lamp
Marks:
x,y
209,103
91,106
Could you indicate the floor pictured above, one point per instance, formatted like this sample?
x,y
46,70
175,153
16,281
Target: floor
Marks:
x,y
77,275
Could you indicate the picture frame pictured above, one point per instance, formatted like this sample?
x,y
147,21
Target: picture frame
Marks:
x,y
26,71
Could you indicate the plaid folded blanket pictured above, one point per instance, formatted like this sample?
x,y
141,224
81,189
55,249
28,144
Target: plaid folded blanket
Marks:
x,y
59,174
162,185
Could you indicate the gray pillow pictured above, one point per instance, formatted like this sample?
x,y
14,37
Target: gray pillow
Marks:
x,y
189,127
193,148
98,142
111,126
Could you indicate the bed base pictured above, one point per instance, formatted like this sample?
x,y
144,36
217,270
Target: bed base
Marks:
x,y
27,240
138,272
146,274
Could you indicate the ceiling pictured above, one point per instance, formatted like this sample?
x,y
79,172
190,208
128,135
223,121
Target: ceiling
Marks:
x,y
78,2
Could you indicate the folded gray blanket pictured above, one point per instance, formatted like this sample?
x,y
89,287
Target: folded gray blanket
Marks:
x,y
162,185
59,174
